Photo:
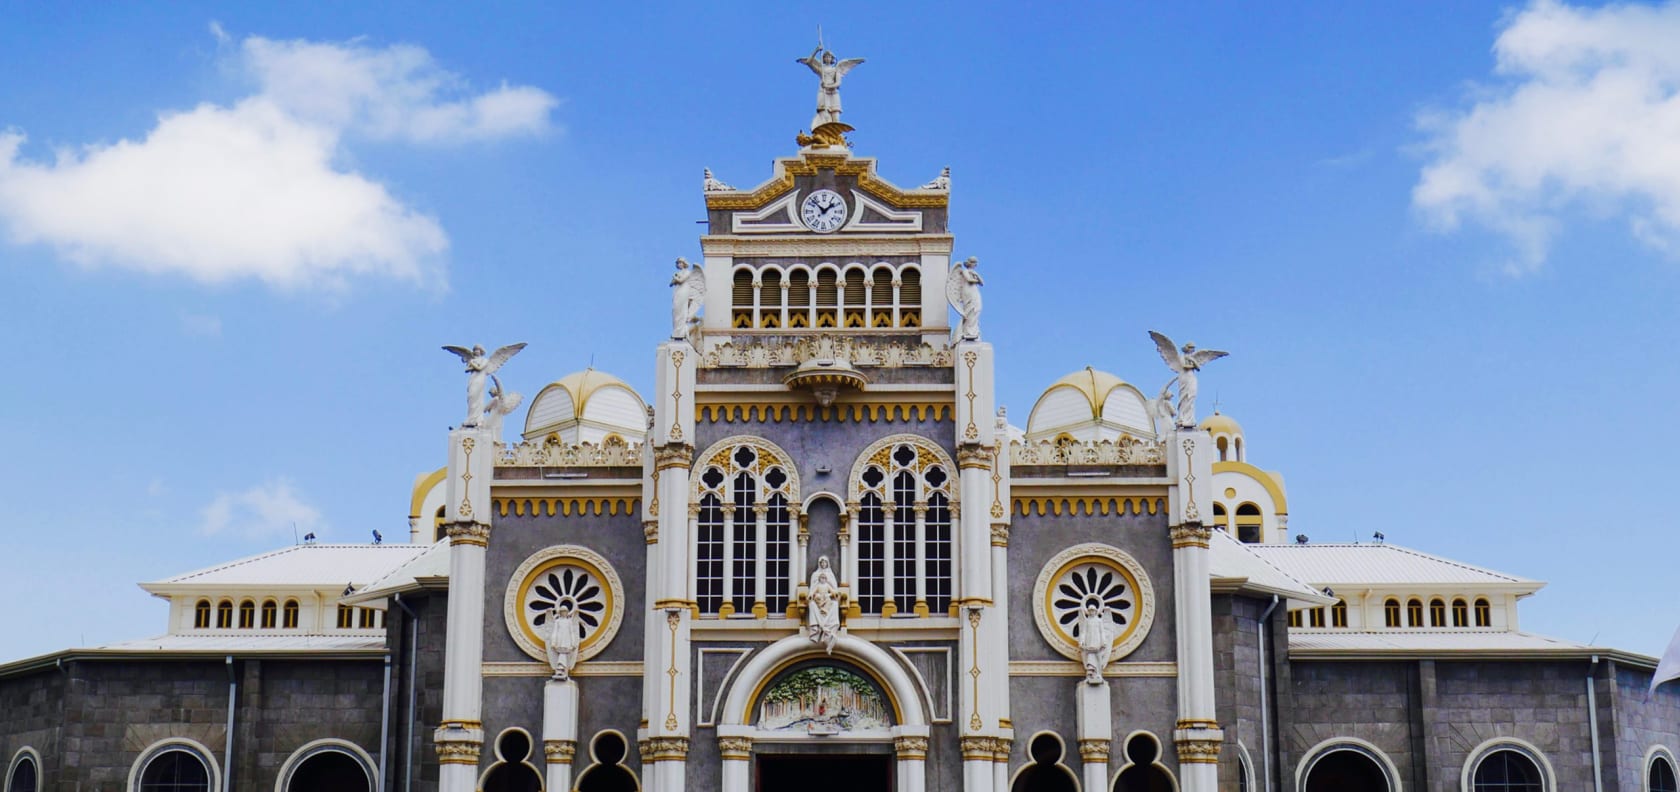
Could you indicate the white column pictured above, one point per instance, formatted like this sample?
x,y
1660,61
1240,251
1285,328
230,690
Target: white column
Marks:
x,y
911,747
921,558
1095,727
559,735
889,551
1198,737
664,742
761,544
736,754
728,604
460,734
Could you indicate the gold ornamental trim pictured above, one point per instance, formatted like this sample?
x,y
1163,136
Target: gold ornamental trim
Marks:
x,y
674,455
842,412
564,507
457,750
559,751
650,531
1090,507
460,725
1198,750
978,748
910,747
468,533
862,169
663,749
974,456
1190,535
1004,744
1000,535
735,747
1093,751
1197,723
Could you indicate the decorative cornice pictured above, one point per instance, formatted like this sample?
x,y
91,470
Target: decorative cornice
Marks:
x,y
910,747
1093,751
735,747
663,749
1190,535
559,751
974,456
458,742
1125,451
858,352
468,533
1000,535
1069,668
978,748
674,455
586,668
1194,723
550,452
650,531
1198,750
863,169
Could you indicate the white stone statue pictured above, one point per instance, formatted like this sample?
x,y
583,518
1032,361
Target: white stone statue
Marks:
x,y
829,73
479,368
1184,364
687,297
501,404
561,640
1096,641
822,607
962,289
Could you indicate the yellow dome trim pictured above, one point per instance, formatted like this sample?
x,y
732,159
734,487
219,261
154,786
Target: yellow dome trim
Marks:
x,y
1218,423
1265,478
579,385
1094,385
423,484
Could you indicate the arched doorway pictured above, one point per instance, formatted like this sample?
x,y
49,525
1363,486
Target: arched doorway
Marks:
x,y
330,770
1346,770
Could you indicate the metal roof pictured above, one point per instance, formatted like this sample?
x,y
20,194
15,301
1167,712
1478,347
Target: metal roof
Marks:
x,y
432,564
1445,644
246,643
1231,561
1380,565
304,565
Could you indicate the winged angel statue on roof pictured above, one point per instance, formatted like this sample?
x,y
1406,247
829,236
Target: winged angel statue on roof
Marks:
x,y
479,368
687,296
829,72
962,289
1184,364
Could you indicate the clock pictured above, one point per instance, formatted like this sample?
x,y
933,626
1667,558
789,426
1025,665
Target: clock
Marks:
x,y
823,211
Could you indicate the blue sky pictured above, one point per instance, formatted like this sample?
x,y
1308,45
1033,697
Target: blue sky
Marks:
x,y
1439,240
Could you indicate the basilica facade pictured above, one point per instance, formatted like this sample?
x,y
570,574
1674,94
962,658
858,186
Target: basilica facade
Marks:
x,y
817,555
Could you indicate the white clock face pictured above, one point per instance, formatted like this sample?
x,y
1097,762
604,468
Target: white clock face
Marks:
x,y
823,211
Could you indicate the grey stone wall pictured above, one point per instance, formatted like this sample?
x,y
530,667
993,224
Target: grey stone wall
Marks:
x,y
1035,539
603,703
1642,718
1049,704
1369,701
32,715
1237,681
514,538
1543,703
413,760
284,704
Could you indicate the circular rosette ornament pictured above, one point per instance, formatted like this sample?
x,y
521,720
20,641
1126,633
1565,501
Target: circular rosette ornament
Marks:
x,y
564,576
1093,574
1092,584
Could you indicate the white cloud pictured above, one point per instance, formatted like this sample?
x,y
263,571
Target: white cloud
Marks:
x,y
266,511
257,189
1587,116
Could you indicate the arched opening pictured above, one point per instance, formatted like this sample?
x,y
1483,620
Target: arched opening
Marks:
x,y
1507,771
910,298
770,299
329,770
1391,612
512,771
1248,523
1437,613
1414,613
1221,520
1346,770
175,770
247,615
1460,613
1144,773
799,298
742,299
828,299
1045,773
1660,778
25,776
270,614
1484,613
607,773
224,615
1339,614
201,614
1223,445
289,618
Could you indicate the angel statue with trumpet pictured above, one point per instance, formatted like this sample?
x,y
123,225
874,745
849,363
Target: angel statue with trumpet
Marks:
x,y
1184,364
479,368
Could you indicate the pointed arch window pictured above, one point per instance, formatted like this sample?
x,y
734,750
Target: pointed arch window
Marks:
x,y
746,500
904,531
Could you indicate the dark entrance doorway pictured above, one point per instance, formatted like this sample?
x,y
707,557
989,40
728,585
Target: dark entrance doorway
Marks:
x,y
330,771
1346,771
825,773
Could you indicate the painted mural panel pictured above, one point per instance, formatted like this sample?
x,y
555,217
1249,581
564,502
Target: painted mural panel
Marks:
x,y
823,700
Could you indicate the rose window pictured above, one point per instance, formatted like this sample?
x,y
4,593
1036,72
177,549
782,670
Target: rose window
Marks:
x,y
1091,584
1093,574
564,576
572,587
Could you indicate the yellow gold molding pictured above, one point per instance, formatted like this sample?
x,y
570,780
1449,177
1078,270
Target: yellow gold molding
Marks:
x,y
1069,668
565,507
675,455
663,749
587,668
1190,535
856,412
863,169
1103,507
559,751
910,747
468,533
1093,751
1198,750
735,747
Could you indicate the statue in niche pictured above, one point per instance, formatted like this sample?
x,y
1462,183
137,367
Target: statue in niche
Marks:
x,y
1096,641
479,368
822,607
502,403
1184,365
560,640
962,289
829,72
687,297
